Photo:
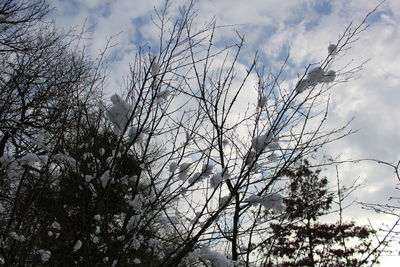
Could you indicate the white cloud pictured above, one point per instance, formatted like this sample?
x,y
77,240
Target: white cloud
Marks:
x,y
273,25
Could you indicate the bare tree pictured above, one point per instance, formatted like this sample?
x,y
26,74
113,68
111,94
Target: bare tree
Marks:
x,y
43,79
186,168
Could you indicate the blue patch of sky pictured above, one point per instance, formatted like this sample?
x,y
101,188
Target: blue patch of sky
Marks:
x,y
103,9
65,9
311,16
135,39
269,31
70,7
377,16
138,39
321,8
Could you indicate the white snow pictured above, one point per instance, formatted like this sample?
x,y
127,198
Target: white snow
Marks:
x,y
77,245
40,139
56,225
217,259
273,157
66,159
104,178
44,255
270,202
154,68
273,202
258,143
250,157
332,49
216,180
262,102
195,178
274,145
119,113
6,159
136,243
17,237
88,178
302,85
253,199
183,170
223,200
132,223
162,95
96,239
329,76
207,169
173,166
314,77
29,158
136,203
196,218
134,132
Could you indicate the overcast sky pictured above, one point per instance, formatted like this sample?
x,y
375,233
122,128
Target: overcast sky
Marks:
x,y
272,27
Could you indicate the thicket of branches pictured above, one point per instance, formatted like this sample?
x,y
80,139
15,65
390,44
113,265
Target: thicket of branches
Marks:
x,y
200,161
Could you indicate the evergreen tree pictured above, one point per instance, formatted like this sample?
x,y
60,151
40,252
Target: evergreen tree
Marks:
x,y
302,239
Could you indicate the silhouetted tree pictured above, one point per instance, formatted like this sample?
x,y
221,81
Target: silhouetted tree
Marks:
x,y
303,240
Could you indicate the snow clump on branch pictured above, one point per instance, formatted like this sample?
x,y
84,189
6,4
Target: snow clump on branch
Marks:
x,y
77,245
314,77
44,255
134,134
119,113
270,202
183,170
262,102
173,166
154,68
217,259
162,95
263,141
133,222
273,202
105,178
332,49
17,237
136,203
318,75
217,179
206,171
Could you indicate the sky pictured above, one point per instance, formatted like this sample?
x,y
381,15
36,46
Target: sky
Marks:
x,y
273,28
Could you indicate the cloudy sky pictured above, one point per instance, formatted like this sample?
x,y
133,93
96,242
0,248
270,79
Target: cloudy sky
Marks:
x,y
273,27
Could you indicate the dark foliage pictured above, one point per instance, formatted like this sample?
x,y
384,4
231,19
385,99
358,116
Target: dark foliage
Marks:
x,y
303,240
